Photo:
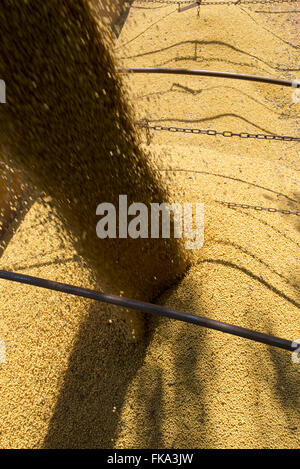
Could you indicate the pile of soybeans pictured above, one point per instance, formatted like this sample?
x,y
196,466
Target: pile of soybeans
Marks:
x,y
72,376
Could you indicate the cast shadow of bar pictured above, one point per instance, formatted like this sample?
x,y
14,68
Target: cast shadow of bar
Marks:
x,y
286,372
212,118
156,416
101,366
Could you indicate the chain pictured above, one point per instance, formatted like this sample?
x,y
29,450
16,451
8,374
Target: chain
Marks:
x,y
258,208
226,133
228,2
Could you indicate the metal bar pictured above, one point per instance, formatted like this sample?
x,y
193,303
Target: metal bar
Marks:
x,y
152,309
193,5
210,73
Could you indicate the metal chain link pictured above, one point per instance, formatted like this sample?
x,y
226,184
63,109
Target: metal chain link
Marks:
x,y
228,2
258,208
225,133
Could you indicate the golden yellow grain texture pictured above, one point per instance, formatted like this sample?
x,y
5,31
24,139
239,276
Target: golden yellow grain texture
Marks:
x,y
71,378
67,123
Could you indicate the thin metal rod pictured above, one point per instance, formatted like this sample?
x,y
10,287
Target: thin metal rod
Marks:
x,y
210,73
152,309
188,7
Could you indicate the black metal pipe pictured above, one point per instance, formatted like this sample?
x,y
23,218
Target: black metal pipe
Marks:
x,y
210,73
152,309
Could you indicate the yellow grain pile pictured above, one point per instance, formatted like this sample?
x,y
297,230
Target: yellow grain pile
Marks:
x,y
67,123
71,379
